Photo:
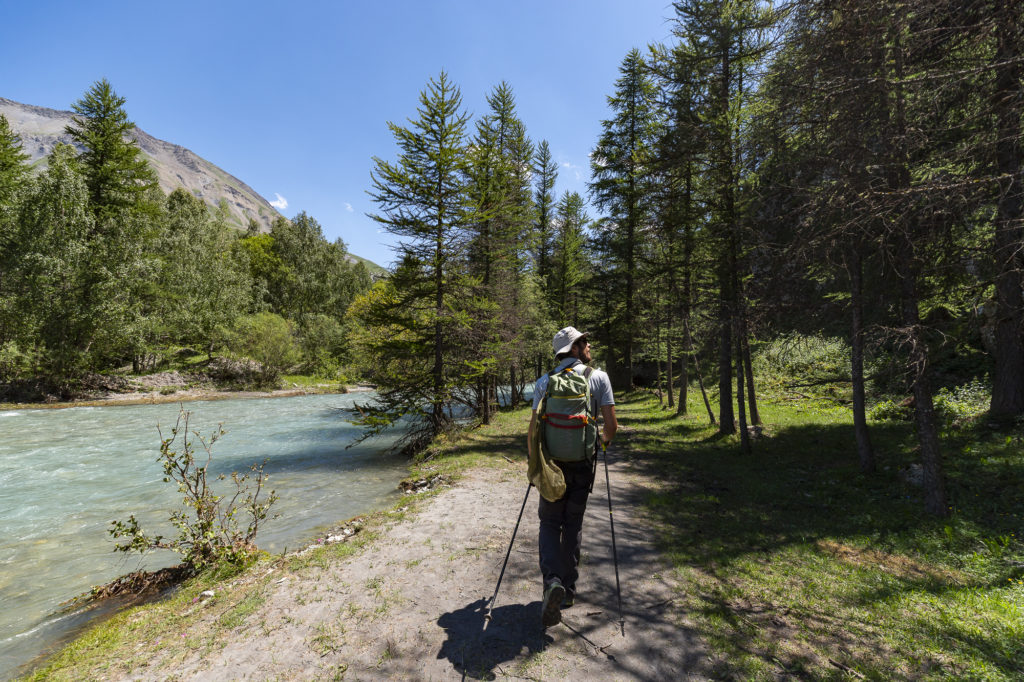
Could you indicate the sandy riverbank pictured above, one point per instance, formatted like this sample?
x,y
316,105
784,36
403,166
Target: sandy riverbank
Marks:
x,y
184,395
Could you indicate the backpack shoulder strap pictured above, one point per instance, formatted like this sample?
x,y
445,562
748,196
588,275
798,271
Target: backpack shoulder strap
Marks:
x,y
586,375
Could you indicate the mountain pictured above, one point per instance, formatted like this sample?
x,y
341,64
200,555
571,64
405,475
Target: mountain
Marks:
x,y
41,129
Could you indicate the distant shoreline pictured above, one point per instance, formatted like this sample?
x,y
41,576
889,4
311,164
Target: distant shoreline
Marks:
x,y
184,395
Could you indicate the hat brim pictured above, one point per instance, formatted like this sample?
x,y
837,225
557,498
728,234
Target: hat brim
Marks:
x,y
567,347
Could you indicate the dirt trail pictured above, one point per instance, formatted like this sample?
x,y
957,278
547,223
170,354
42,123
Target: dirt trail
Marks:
x,y
412,606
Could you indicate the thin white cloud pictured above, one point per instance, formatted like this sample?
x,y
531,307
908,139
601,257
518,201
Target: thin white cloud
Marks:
x,y
281,202
348,207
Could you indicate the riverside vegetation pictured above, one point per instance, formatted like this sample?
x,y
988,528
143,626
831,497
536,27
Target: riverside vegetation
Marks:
x,y
813,214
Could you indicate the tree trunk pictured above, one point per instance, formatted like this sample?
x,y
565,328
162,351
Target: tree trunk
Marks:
x,y
485,404
657,367
700,377
924,409
907,271
755,416
1008,377
669,388
726,420
865,452
740,403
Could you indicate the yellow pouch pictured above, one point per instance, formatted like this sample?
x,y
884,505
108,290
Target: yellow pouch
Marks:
x,y
542,472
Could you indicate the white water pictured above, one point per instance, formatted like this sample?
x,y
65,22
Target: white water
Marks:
x,y
66,474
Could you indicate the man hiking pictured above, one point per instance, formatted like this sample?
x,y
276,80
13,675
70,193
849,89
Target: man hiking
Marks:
x,y
563,426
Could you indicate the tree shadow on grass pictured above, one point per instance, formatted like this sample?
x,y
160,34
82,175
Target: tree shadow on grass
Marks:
x,y
475,652
803,488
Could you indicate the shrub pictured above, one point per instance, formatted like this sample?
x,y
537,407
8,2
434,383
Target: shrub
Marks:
x,y
956,407
961,405
323,341
269,340
890,410
209,530
804,357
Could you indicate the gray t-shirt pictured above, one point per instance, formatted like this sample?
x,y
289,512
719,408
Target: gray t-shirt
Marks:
x,y
600,387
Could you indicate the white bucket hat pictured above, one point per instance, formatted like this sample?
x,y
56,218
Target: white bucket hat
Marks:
x,y
564,339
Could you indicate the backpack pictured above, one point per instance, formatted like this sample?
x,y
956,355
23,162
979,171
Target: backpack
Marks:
x,y
568,428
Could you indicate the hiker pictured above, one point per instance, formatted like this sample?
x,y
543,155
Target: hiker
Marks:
x,y
567,426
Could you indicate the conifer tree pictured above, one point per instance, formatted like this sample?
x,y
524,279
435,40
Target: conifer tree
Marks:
x,y
14,175
499,184
620,167
411,325
14,168
116,173
545,170
568,259
53,282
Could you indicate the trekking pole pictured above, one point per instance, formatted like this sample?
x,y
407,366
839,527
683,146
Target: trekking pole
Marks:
x,y
615,553
490,607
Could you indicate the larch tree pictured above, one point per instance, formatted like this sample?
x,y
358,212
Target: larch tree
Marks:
x,y
410,323
568,259
620,168
116,173
14,176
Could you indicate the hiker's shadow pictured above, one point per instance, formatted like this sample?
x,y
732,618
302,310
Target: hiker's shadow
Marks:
x,y
474,652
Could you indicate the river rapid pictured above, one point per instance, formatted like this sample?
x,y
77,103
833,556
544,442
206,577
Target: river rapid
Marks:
x,y
66,474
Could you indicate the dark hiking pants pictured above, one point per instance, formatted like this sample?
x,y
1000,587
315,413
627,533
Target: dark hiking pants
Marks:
x,y
561,526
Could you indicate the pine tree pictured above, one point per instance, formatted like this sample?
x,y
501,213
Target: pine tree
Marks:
x,y
499,184
411,323
14,168
545,170
116,173
568,259
620,167
14,175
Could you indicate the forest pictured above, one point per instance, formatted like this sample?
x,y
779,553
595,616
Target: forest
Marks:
x,y
776,178
99,270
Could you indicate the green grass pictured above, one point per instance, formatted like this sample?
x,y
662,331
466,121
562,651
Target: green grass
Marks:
x,y
791,560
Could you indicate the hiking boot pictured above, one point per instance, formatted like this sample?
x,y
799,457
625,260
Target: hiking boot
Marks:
x,y
569,599
550,610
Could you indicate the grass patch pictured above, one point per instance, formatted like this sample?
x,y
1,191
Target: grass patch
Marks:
x,y
793,562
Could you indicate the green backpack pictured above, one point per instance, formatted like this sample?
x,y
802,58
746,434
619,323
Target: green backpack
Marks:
x,y
568,428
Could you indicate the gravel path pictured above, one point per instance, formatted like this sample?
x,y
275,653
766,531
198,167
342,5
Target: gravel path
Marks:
x,y
412,606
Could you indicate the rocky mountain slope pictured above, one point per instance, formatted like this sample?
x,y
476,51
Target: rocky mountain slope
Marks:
x,y
41,129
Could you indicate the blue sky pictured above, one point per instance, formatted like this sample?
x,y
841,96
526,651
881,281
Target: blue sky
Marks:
x,y
293,98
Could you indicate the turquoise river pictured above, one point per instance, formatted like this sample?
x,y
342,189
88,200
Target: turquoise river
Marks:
x,y
65,474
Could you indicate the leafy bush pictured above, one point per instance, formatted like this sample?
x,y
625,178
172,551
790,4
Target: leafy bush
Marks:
x,y
961,405
805,357
323,341
13,361
269,340
209,531
890,410
955,407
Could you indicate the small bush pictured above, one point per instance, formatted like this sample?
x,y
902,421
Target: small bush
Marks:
x,y
804,357
269,340
892,411
955,407
15,362
962,405
209,527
